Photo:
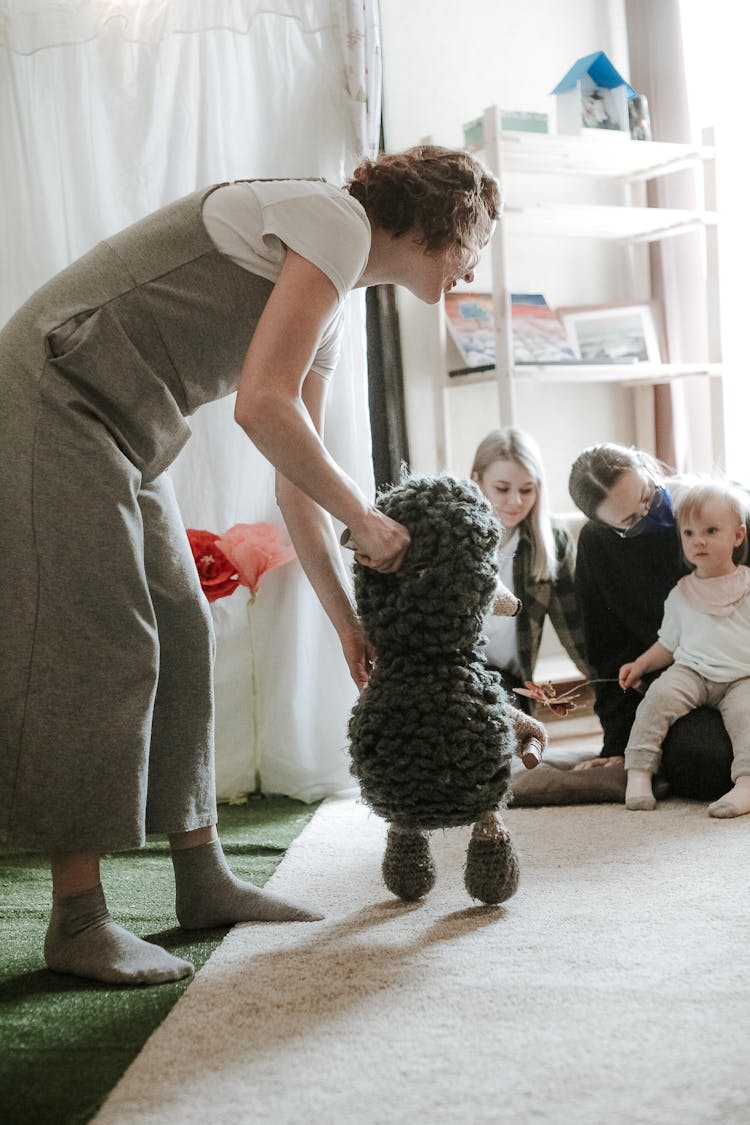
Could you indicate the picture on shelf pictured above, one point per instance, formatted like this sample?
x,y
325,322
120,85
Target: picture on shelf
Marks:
x,y
603,109
613,333
471,324
538,335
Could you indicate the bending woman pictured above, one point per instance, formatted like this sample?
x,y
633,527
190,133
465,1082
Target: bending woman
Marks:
x,y
106,704
536,558
628,560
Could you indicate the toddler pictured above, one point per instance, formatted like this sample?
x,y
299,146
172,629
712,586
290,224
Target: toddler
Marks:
x,y
705,639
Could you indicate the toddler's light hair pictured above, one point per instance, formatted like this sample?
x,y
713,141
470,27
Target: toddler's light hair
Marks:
x,y
692,502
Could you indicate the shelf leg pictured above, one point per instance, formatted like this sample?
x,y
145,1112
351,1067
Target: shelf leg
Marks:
x,y
645,419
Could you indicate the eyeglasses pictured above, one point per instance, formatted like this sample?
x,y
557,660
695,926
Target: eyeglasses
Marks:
x,y
656,501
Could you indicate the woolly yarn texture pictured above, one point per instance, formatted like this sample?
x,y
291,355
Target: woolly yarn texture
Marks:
x,y
431,737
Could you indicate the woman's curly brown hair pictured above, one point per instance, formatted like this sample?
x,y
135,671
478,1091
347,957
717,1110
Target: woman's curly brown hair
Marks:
x,y
443,195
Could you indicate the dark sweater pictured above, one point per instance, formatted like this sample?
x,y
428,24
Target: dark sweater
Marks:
x,y
621,585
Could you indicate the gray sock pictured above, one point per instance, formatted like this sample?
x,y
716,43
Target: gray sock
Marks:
x,y
208,894
82,939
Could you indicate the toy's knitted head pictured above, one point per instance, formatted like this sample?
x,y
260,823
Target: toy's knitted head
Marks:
x,y
437,601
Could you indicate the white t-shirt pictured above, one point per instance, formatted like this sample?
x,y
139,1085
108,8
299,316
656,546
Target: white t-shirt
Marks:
x,y
254,223
716,647
502,645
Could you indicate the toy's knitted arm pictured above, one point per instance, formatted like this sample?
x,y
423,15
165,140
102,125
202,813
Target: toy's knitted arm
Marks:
x,y
504,603
531,738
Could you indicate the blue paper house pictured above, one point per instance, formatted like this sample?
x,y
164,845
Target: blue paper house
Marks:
x,y
593,95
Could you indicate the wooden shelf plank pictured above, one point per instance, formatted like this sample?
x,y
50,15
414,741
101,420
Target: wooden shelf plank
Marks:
x,y
602,221
596,154
625,163
630,374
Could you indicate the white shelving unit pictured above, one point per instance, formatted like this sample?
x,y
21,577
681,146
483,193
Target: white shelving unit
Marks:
x,y
631,164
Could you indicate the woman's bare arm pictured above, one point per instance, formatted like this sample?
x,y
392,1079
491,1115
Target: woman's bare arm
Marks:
x,y
315,541
271,410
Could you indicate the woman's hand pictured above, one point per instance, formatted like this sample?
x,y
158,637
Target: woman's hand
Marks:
x,y
358,654
379,542
601,763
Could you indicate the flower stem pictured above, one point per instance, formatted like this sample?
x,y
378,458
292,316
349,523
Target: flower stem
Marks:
x,y
257,750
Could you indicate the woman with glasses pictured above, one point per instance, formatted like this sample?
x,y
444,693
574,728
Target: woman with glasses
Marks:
x,y
627,562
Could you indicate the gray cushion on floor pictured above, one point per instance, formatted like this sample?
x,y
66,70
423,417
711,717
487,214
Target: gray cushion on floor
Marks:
x,y
550,785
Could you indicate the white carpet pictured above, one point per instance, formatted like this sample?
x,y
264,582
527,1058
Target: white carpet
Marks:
x,y
613,989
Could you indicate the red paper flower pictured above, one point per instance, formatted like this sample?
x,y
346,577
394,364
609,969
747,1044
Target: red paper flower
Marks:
x,y
239,557
218,575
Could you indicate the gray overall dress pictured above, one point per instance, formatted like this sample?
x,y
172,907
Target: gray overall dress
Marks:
x,y
106,649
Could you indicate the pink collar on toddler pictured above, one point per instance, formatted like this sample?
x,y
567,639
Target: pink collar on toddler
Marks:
x,y
718,596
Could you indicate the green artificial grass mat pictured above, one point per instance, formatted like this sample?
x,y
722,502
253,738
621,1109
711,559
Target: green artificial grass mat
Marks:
x,y
65,1041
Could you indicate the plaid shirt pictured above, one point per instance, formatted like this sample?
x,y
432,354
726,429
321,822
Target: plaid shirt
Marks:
x,y
555,600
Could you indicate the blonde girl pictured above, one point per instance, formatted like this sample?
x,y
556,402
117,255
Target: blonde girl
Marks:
x,y
536,556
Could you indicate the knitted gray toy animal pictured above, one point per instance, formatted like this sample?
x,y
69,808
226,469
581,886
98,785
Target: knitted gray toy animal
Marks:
x,y
432,735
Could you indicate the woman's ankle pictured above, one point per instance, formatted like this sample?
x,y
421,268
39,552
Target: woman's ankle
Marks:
x,y
195,838
74,873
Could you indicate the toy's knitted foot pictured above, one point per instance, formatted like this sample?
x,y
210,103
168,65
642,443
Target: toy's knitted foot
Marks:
x,y
491,873
408,870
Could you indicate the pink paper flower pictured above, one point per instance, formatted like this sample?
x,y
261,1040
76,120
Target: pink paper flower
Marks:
x,y
252,549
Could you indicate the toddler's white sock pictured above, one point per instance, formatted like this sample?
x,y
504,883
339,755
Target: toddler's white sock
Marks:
x,y
734,803
639,792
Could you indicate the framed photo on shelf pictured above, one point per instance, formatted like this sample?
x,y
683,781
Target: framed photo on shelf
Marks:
x,y
614,333
538,334
471,324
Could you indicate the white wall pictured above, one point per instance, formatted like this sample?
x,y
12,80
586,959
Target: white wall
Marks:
x,y
715,59
443,64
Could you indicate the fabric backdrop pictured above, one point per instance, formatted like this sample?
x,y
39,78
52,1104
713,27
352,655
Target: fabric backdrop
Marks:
x,y
108,110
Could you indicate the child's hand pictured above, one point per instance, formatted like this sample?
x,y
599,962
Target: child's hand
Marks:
x,y
629,675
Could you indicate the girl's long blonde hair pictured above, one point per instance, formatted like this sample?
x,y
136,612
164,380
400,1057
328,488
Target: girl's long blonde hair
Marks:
x,y
511,444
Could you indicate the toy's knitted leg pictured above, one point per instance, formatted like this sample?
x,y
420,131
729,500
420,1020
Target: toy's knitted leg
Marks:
x,y
491,861
408,870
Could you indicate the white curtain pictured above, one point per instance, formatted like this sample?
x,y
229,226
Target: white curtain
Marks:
x,y
112,108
